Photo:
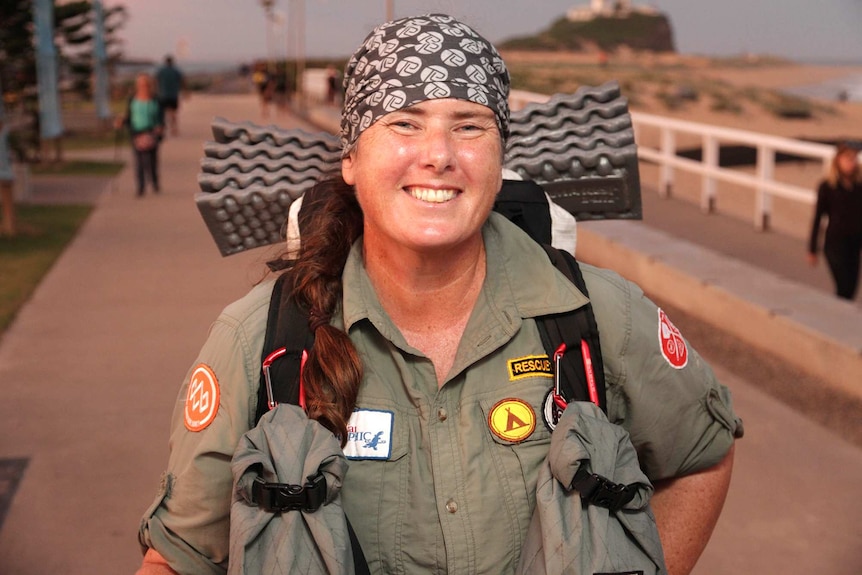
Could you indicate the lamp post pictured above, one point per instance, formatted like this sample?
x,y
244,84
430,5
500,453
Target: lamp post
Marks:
x,y
267,9
390,10
297,20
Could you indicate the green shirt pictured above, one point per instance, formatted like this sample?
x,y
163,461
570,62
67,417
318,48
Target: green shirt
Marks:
x,y
436,480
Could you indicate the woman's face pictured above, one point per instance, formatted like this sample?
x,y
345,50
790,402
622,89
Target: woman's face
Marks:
x,y
142,85
847,163
426,176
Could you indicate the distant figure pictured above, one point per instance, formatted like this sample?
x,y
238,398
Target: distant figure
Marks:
x,y
169,83
7,179
603,59
839,198
265,88
331,85
282,89
145,120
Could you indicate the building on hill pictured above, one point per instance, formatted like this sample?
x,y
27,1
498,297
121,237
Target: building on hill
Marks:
x,y
606,9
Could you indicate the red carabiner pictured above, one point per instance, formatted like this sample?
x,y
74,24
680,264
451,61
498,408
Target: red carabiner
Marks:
x,y
267,362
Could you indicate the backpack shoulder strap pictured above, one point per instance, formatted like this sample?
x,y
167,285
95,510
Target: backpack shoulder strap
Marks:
x,y
524,203
287,336
581,365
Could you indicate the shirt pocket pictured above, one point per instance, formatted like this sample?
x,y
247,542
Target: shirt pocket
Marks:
x,y
374,494
518,437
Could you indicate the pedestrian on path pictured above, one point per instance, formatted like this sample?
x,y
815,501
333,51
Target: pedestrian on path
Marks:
x,y
839,200
169,87
422,301
145,121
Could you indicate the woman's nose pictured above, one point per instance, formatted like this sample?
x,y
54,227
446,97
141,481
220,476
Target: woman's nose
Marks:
x,y
438,149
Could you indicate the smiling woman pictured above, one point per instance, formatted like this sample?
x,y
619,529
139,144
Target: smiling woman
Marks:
x,y
427,176
418,301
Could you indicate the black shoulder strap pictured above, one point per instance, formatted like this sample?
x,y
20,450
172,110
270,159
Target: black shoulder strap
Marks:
x,y
287,328
524,203
572,328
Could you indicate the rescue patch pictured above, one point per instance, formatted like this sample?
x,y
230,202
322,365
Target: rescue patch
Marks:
x,y
202,399
512,420
530,366
369,434
672,344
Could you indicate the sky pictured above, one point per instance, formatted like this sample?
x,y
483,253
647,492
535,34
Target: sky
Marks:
x,y
235,31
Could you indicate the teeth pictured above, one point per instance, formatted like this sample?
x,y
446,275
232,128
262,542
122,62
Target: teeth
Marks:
x,y
433,196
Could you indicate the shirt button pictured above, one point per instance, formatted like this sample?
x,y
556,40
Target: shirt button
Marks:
x,y
451,506
442,415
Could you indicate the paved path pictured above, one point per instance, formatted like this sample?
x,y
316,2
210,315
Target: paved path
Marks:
x,y
90,370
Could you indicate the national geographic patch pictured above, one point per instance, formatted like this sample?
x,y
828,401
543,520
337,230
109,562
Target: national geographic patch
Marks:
x,y
530,366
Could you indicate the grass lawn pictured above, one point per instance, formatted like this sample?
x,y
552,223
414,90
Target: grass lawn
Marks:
x,y
96,140
78,168
43,233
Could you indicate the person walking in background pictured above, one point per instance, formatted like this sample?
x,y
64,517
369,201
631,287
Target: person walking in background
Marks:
x,y
332,85
144,119
265,87
169,85
839,198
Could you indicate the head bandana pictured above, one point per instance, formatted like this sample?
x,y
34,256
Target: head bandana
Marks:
x,y
411,60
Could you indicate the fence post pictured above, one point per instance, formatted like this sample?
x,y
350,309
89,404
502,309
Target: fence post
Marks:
x,y
763,199
711,161
668,151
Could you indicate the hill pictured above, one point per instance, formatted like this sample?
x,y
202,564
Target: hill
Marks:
x,y
636,31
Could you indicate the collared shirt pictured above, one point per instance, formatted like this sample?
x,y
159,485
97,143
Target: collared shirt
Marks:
x,y
446,481
452,487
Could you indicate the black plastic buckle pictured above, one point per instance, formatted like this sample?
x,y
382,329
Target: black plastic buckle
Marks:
x,y
278,497
601,491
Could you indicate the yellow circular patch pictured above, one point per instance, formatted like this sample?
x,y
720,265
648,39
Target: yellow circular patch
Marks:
x,y
512,420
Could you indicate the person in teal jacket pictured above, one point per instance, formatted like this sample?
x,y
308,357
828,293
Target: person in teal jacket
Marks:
x,y
144,118
421,301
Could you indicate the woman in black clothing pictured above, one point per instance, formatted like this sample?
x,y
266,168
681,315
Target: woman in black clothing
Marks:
x,y
839,198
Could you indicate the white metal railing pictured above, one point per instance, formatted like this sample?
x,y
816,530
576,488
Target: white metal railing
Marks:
x,y
762,181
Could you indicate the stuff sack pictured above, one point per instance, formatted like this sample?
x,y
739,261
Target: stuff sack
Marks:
x,y
592,511
286,515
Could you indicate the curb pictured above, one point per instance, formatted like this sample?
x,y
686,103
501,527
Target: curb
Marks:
x,y
810,330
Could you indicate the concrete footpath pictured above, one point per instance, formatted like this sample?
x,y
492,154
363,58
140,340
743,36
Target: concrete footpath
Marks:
x,y
90,369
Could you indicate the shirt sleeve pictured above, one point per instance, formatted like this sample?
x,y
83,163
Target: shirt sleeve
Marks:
x,y
679,417
189,523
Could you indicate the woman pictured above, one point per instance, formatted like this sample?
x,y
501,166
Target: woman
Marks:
x,y
144,118
419,299
839,198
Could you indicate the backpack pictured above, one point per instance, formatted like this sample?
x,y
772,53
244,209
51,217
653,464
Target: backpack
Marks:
x,y
571,341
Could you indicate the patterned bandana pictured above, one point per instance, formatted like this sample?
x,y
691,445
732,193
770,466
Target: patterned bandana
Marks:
x,y
411,60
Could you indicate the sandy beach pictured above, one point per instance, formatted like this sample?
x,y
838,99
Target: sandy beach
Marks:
x,y
741,93
719,84
836,120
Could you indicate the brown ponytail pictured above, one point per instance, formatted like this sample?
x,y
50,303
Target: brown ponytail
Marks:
x,y
330,221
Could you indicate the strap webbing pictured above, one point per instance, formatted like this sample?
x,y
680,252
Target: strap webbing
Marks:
x,y
570,328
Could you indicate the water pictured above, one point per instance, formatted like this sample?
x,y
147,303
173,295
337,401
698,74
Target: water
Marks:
x,y
851,86
128,69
